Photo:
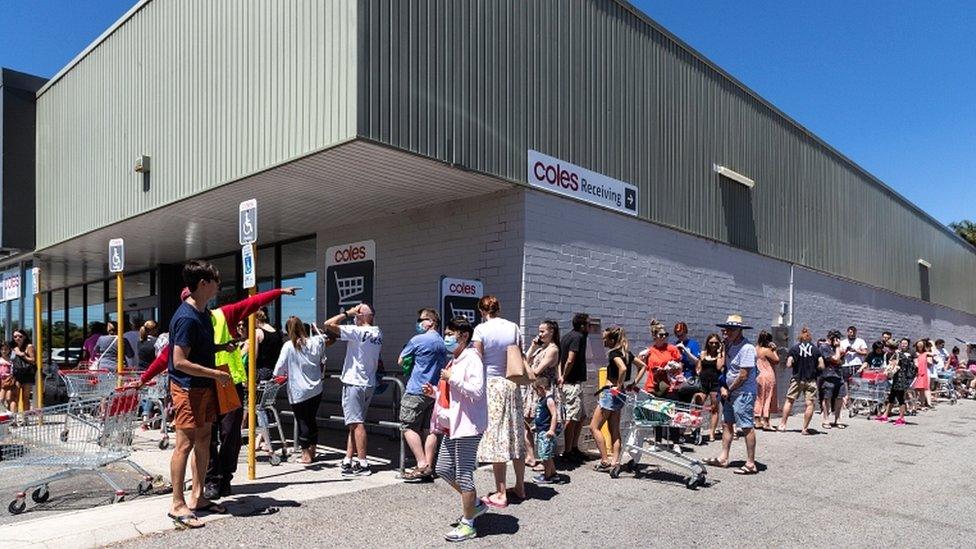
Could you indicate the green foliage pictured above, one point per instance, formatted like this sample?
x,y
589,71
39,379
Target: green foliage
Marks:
x,y
966,229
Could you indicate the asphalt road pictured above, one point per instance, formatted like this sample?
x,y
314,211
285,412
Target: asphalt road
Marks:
x,y
870,485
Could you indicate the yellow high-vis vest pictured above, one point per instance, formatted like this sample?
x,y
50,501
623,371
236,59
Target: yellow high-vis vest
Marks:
x,y
222,337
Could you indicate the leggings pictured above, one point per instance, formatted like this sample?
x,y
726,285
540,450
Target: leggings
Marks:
x,y
308,427
457,460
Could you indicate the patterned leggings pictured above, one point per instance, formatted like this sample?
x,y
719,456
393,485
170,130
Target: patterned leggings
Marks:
x,y
457,460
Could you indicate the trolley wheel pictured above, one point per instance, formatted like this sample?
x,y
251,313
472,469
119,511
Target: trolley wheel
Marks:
x,y
691,483
699,439
145,486
127,439
163,443
700,480
275,460
119,498
40,494
17,506
64,436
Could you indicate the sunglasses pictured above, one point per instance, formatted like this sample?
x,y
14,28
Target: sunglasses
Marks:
x,y
665,334
424,319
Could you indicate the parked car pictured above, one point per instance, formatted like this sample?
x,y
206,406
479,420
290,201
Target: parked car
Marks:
x,y
66,357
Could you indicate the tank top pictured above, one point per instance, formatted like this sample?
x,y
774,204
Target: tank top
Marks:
x,y
709,368
269,349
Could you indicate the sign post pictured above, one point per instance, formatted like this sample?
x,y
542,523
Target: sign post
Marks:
x,y
247,232
39,339
116,264
459,297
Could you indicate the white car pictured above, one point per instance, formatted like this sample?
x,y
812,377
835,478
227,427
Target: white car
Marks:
x,y
66,356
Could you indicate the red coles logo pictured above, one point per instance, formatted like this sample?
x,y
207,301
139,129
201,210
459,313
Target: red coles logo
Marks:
x,y
463,289
352,253
555,175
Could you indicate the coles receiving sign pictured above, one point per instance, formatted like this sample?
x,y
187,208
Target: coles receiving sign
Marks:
x,y
553,174
11,286
459,297
349,272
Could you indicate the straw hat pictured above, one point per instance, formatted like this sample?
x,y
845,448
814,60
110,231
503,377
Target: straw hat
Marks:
x,y
734,321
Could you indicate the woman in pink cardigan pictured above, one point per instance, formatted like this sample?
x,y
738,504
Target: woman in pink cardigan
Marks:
x,y
464,421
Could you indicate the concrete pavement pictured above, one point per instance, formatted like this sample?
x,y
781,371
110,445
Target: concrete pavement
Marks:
x,y
870,485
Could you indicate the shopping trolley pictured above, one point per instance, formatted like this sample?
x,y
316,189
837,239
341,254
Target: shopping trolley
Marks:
x,y
642,416
157,392
468,314
55,437
945,387
867,395
348,288
88,384
267,419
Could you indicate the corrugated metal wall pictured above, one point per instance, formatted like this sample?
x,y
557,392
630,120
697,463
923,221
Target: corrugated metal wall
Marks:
x,y
480,82
212,91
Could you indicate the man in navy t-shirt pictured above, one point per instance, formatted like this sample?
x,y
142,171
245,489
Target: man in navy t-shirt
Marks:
x,y
193,375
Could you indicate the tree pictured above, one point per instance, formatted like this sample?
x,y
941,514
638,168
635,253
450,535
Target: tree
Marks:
x,y
966,229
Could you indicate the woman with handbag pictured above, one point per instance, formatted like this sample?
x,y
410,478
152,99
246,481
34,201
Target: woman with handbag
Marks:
x,y
24,370
504,438
8,386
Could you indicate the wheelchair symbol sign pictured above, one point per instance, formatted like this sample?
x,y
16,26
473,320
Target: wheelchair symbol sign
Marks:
x,y
116,255
247,222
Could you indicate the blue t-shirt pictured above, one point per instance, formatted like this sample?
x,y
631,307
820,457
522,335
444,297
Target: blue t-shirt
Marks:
x,y
738,356
543,417
429,358
689,365
193,329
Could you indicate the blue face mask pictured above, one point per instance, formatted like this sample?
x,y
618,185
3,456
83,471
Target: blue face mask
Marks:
x,y
451,343
420,328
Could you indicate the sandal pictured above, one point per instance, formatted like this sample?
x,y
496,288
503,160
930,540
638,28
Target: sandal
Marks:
x,y
602,467
183,521
781,428
492,503
715,462
746,470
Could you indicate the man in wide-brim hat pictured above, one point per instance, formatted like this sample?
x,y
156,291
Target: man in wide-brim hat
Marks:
x,y
738,394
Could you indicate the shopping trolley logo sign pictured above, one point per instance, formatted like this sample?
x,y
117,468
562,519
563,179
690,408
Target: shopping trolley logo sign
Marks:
x,y
559,176
116,255
11,285
247,222
349,272
247,265
459,297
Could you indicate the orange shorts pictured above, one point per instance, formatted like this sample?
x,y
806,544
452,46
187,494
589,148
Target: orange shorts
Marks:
x,y
194,407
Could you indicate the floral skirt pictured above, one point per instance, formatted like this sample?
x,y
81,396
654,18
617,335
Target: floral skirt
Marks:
x,y
504,439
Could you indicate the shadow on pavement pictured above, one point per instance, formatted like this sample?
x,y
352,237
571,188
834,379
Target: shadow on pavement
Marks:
x,y
263,487
544,493
251,506
493,524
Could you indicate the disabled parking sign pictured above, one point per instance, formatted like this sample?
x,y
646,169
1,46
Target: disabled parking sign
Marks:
x,y
349,273
247,222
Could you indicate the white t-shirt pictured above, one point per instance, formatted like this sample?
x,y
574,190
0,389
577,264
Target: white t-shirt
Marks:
x,y
850,357
303,366
496,334
362,354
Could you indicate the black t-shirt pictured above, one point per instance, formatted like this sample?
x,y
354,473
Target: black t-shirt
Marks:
x,y
269,349
805,357
147,352
192,328
613,371
876,360
576,342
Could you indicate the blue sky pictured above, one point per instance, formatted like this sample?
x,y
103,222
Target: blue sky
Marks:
x,y
890,84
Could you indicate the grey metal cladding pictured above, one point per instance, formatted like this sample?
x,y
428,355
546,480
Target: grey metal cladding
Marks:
x,y
212,91
593,82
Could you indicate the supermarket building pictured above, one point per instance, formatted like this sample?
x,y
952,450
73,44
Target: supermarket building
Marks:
x,y
571,155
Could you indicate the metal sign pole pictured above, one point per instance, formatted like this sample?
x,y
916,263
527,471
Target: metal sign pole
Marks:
x,y
252,375
39,342
119,328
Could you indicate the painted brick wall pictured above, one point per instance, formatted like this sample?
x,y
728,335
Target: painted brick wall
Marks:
x,y
823,302
480,237
625,271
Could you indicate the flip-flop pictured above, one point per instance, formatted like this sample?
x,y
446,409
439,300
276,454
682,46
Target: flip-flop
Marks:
x,y
746,470
212,507
781,429
182,521
492,503
715,462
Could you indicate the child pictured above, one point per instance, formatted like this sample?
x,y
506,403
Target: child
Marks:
x,y
546,422
7,384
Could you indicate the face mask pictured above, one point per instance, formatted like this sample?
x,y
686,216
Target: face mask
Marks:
x,y
451,343
420,328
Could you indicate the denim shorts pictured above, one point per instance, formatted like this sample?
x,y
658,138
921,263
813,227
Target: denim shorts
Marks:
x,y
610,402
739,409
